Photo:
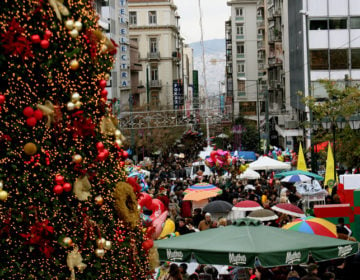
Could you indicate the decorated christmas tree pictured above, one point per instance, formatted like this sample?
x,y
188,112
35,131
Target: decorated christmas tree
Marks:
x,y
66,211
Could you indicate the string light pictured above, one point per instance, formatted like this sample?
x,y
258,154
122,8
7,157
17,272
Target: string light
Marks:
x,y
29,179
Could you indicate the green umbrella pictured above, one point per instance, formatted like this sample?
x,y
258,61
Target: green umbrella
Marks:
x,y
241,244
297,172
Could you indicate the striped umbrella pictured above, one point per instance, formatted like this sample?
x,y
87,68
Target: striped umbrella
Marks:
x,y
288,209
201,191
247,205
313,225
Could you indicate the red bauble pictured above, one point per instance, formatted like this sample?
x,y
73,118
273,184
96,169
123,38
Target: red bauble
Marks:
x,y
125,154
104,93
102,83
59,179
35,39
148,244
106,152
44,44
31,121
28,112
101,156
58,189
99,146
38,114
2,99
47,34
67,187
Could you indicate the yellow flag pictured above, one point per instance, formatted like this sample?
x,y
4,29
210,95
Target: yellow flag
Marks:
x,y
301,164
330,165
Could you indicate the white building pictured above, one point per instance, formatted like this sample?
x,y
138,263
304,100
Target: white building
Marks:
x,y
243,49
114,21
155,26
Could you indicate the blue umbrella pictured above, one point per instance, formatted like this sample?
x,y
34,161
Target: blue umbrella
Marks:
x,y
296,178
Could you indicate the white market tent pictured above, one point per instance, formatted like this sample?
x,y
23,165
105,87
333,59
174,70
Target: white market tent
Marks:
x,y
249,174
266,163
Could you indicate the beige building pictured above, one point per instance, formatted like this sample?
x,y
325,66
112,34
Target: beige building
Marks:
x,y
154,25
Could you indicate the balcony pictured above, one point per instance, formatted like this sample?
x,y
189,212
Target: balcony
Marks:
x,y
277,12
260,24
135,67
260,45
155,84
153,55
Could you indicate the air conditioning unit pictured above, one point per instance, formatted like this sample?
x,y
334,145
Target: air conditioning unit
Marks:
x,y
291,124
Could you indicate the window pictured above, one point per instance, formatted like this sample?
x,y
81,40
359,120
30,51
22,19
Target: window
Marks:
x,y
239,29
339,59
153,45
154,74
240,49
355,58
248,108
355,23
318,24
152,17
239,12
155,98
133,19
319,59
259,13
241,85
338,23
241,67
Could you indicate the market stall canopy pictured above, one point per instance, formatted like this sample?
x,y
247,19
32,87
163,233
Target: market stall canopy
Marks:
x,y
222,135
249,174
267,163
246,155
206,152
297,172
241,244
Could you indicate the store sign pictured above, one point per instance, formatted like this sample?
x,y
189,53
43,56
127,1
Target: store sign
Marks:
x,y
124,44
178,94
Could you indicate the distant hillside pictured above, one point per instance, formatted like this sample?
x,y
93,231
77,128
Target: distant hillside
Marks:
x,y
215,72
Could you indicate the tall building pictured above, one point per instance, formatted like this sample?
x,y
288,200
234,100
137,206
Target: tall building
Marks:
x,y
324,43
154,25
113,18
244,33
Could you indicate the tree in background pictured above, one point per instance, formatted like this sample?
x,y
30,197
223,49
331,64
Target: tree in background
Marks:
x,y
64,210
249,135
341,102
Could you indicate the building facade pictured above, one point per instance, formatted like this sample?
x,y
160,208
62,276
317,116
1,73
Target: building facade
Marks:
x,y
154,25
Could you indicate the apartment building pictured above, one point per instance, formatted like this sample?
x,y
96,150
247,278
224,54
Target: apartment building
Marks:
x,y
245,32
154,25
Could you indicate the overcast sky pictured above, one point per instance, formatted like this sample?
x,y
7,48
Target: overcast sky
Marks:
x,y
215,13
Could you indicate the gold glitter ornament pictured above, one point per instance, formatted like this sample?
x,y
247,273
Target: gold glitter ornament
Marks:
x,y
78,105
75,97
3,195
77,158
99,200
78,25
70,106
100,253
100,243
30,149
69,24
107,245
74,33
74,65
67,241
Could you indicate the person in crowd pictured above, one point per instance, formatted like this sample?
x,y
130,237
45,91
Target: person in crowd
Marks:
x,y
342,228
183,267
293,275
173,274
181,227
206,223
197,217
194,276
312,273
328,276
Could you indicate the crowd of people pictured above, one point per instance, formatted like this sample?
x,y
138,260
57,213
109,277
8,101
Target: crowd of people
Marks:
x,y
170,176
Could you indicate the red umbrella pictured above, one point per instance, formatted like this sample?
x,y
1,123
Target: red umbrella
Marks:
x,y
288,209
247,205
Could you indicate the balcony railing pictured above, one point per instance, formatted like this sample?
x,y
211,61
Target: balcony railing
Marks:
x,y
155,84
154,55
135,66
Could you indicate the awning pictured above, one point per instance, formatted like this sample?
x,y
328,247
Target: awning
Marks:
x,y
288,132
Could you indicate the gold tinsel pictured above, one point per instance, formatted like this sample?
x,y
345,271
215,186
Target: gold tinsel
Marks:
x,y
74,259
154,258
59,8
82,188
108,125
126,204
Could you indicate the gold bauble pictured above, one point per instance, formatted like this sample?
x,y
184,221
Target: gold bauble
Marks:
x,y
3,195
70,106
107,245
74,64
78,104
78,25
67,241
30,149
118,141
74,33
77,158
99,253
1,185
75,97
117,134
99,200
100,243
107,76
69,24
